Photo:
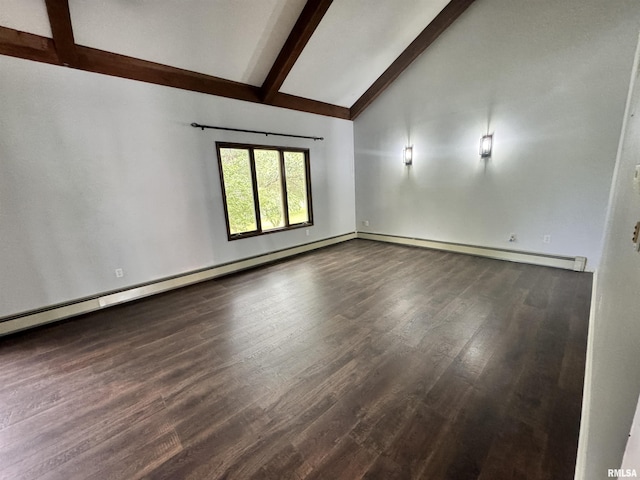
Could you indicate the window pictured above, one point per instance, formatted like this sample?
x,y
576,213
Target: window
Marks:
x,y
265,189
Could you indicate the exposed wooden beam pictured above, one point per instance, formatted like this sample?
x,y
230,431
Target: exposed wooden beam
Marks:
x,y
293,102
116,65
26,45
306,24
41,49
60,20
438,25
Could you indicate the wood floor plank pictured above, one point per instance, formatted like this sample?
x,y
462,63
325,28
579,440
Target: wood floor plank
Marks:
x,y
517,452
360,360
417,441
347,460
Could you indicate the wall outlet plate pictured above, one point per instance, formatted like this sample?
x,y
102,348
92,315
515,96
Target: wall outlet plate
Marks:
x,y
636,179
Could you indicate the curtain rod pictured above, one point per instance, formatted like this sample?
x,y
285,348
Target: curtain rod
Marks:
x,y
197,125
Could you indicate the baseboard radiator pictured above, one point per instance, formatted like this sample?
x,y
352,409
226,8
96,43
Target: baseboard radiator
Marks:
x,y
55,313
576,264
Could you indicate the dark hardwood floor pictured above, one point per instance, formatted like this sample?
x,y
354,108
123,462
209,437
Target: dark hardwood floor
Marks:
x,y
362,360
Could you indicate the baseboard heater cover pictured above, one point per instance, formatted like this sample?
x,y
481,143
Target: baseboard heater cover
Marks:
x,y
16,323
576,264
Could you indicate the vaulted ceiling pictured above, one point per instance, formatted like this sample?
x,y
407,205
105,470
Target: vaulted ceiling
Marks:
x,y
320,56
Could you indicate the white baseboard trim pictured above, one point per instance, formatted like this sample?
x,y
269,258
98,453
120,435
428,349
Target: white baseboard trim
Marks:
x,y
55,313
568,263
585,419
27,320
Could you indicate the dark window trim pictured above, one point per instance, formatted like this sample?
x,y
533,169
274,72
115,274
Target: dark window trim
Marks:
x,y
254,183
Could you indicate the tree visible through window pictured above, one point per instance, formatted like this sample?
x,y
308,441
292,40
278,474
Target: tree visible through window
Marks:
x,y
265,189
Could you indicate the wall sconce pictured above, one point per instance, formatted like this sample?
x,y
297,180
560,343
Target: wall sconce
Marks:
x,y
407,155
486,143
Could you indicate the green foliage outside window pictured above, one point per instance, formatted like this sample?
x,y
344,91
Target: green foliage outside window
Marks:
x,y
269,188
281,179
295,168
238,190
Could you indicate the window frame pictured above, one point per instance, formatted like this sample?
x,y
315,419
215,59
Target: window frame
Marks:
x,y
254,186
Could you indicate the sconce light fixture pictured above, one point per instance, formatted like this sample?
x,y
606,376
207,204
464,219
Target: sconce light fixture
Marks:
x,y
407,155
486,144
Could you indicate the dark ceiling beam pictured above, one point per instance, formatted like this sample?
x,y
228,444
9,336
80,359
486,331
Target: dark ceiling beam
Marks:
x,y
293,102
438,25
42,49
15,43
306,24
116,65
60,20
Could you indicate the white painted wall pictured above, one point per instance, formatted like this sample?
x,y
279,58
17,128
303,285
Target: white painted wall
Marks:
x,y
99,173
612,377
549,78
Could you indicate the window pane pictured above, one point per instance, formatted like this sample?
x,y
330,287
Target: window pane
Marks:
x,y
296,176
236,170
269,189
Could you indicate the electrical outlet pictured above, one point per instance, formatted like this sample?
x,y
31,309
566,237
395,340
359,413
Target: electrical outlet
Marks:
x,y
307,232
636,233
119,273
513,237
546,239
365,223
636,178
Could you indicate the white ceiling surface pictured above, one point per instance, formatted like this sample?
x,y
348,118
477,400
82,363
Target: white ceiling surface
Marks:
x,y
354,44
233,39
26,16
239,40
